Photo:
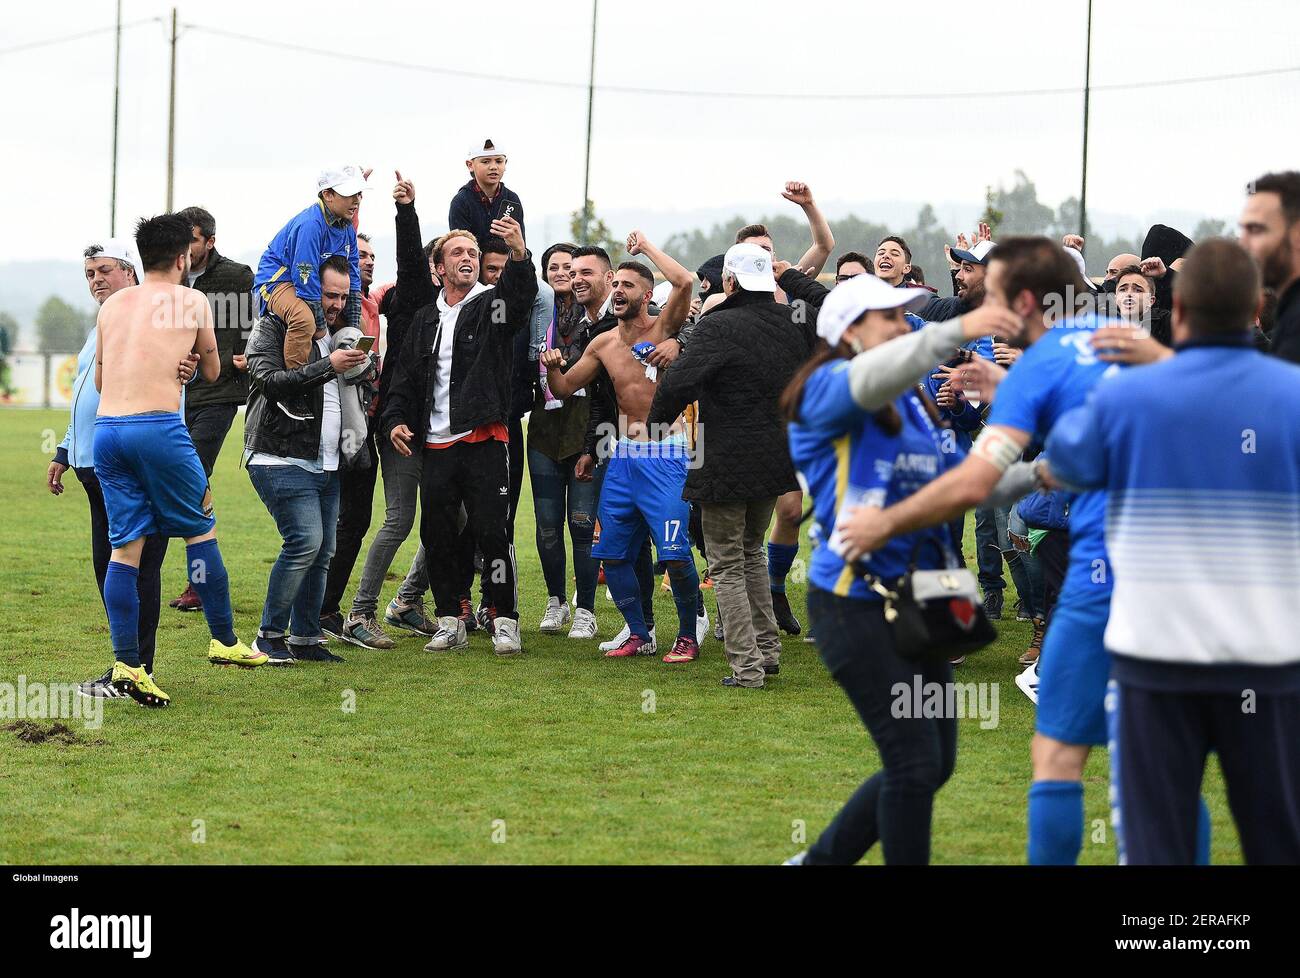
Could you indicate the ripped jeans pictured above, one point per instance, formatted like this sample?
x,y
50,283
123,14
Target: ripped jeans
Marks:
x,y
558,497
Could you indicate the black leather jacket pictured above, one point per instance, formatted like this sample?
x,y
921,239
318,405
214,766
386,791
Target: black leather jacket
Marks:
x,y
276,395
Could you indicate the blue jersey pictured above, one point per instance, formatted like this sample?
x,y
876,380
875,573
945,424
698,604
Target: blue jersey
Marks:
x,y
296,252
1054,375
846,460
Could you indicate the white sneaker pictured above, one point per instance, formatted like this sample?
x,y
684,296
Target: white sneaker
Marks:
x,y
584,624
796,860
505,638
617,640
449,636
556,617
702,627
1028,682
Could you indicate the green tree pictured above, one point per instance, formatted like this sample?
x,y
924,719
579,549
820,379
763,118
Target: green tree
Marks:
x,y
596,232
1021,210
8,333
1210,227
991,216
60,327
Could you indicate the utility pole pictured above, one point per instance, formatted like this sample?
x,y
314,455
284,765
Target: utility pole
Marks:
x,y
1087,91
591,95
117,80
171,122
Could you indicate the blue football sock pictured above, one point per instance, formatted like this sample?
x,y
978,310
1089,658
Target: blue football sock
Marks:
x,y
1055,822
780,558
685,581
1203,834
621,578
207,573
123,605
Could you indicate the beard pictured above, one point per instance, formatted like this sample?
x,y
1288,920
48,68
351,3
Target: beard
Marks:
x,y
1276,268
631,310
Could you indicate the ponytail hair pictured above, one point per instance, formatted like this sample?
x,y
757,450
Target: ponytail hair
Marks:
x,y
886,418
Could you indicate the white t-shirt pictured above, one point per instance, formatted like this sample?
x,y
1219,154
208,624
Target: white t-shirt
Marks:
x,y
440,417
331,426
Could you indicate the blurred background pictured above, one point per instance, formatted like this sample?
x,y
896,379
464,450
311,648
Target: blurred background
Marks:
x,y
915,118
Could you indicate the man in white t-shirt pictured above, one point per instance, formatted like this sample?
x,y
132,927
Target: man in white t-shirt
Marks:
x,y
293,460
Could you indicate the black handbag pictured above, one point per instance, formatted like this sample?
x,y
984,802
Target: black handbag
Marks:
x,y
935,614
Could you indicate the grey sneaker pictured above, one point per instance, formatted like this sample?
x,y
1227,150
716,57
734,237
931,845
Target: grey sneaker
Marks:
x,y
449,636
584,624
366,633
556,617
505,638
409,617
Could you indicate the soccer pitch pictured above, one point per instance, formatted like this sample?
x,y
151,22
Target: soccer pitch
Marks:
x,y
557,756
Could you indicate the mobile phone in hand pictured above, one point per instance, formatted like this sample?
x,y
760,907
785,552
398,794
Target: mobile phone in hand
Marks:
x,y
506,208
365,343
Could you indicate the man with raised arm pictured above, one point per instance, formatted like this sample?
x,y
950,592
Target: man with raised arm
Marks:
x,y
642,494
151,475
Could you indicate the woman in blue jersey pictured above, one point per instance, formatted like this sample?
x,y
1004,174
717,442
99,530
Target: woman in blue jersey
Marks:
x,y
861,433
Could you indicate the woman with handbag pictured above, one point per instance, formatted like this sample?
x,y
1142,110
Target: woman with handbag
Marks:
x,y
862,434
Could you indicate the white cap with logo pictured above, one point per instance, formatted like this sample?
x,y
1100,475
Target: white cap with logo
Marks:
x,y
752,267
343,180
485,148
122,250
862,293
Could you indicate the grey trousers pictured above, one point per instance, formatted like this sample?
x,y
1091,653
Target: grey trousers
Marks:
x,y
401,498
734,535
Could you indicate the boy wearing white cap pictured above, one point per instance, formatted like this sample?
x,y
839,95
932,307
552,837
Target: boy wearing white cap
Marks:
x,y
287,283
485,198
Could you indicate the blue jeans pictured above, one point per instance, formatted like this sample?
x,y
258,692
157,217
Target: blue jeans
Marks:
x,y
992,544
558,497
305,507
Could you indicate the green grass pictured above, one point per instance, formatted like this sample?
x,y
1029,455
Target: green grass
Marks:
x,y
557,744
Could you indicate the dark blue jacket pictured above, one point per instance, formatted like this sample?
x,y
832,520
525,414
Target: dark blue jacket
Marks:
x,y
468,213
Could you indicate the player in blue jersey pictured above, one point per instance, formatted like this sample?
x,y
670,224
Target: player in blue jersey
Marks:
x,y
862,433
1041,284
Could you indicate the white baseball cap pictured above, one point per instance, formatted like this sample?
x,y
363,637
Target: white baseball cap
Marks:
x,y
485,148
752,267
979,255
343,180
862,293
122,250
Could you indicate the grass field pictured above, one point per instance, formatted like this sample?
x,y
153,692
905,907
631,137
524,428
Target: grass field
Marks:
x,y
552,757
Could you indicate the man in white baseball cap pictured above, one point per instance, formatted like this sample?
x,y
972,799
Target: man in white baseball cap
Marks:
x,y
485,197
287,281
748,267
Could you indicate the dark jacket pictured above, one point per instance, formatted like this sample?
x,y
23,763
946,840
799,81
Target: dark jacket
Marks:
x,y
1285,338
267,426
468,212
229,287
482,363
739,359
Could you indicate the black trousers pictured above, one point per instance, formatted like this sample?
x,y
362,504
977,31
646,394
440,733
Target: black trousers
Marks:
x,y
1164,740
209,424
917,752
148,585
356,502
475,475
1053,553
468,555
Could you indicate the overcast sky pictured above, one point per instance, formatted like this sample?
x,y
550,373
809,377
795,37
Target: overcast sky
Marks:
x,y
255,124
